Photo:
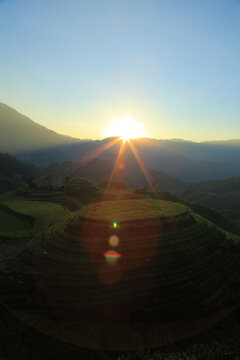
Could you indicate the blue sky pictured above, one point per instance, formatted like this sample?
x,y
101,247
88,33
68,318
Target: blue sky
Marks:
x,y
75,65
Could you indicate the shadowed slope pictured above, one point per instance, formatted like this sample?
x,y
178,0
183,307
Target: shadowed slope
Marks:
x,y
168,271
19,133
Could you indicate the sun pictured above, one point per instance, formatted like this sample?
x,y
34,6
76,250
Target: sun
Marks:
x,y
126,128
125,138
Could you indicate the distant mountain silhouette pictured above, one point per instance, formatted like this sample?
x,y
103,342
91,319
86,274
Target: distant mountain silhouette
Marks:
x,y
185,160
190,161
18,133
155,157
217,186
213,151
99,170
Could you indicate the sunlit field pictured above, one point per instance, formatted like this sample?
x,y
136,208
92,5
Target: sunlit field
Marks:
x,y
127,210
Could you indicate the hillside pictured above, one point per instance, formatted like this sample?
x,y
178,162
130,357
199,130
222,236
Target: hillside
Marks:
x,y
228,204
153,270
210,151
190,161
165,273
15,173
222,195
170,159
100,169
18,133
217,186
11,167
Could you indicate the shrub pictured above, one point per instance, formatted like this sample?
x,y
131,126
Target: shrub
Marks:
x,y
81,188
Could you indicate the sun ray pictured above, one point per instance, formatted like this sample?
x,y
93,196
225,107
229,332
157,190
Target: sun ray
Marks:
x,y
143,167
116,165
90,157
99,151
125,141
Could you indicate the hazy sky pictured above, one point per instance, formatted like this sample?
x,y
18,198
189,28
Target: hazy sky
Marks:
x,y
173,65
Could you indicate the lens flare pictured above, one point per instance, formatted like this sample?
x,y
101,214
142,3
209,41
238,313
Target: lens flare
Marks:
x,y
113,241
112,256
115,225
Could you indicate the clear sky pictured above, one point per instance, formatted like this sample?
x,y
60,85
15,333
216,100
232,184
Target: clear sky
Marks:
x,y
75,65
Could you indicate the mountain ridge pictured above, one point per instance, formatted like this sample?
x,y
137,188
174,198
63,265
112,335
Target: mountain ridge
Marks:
x,y
14,128
185,160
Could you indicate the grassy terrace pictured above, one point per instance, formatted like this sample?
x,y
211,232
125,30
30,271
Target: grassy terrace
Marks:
x,y
52,196
43,215
165,280
128,210
9,221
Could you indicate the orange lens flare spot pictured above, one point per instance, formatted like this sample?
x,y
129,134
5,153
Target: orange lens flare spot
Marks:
x,y
113,241
112,256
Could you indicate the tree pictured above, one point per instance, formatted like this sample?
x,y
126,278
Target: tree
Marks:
x,y
67,179
154,186
32,183
49,179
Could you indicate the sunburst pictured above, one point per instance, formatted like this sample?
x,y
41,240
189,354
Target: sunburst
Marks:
x,y
126,128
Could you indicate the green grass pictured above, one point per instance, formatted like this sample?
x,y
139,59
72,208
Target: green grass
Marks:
x,y
9,221
44,214
225,203
214,216
52,196
127,210
230,236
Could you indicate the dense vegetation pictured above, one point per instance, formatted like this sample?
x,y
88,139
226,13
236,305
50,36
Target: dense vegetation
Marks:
x,y
38,214
177,274
11,166
10,221
222,196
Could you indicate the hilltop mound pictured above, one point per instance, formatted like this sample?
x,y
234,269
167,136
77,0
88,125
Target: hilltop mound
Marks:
x,y
129,210
152,266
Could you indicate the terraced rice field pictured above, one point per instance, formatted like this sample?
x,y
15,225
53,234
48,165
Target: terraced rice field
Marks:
x,y
168,271
127,210
11,221
40,214
52,196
